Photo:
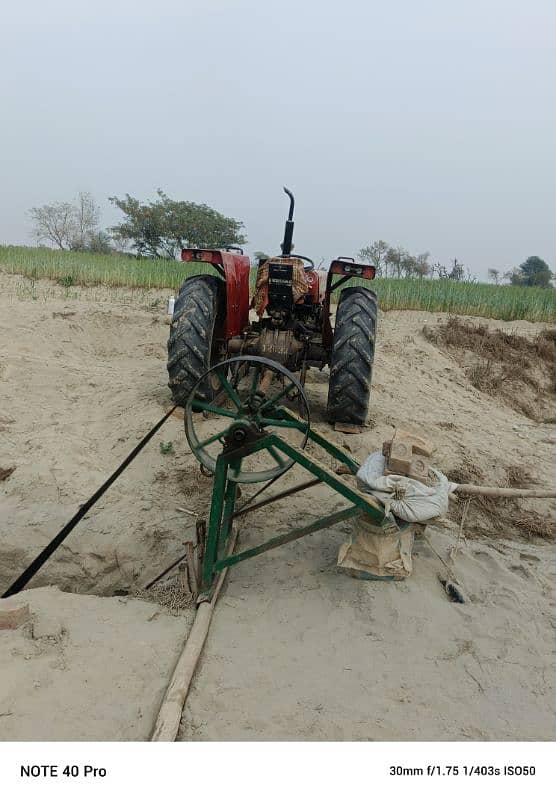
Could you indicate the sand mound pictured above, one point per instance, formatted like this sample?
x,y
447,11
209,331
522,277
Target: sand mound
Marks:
x,y
517,369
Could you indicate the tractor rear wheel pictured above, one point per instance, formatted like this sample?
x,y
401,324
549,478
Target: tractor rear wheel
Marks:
x,y
191,344
351,360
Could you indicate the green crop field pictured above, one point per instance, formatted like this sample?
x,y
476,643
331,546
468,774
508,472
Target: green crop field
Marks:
x,y
477,299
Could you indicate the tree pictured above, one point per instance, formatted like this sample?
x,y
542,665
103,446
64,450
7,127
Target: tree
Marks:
x,y
457,272
69,226
422,268
494,275
160,229
440,270
533,272
87,216
54,223
99,242
408,265
375,254
394,258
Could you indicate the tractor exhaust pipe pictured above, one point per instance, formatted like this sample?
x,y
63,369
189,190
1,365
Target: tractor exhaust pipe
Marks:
x,y
288,231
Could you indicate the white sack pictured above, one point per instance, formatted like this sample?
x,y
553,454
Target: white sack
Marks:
x,y
407,498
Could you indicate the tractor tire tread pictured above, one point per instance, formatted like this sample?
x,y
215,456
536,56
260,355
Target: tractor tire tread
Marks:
x,y
351,361
191,332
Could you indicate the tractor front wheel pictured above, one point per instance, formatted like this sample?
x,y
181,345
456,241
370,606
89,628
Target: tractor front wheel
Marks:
x,y
351,360
192,348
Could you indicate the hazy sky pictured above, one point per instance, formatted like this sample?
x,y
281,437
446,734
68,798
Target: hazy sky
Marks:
x,y
431,124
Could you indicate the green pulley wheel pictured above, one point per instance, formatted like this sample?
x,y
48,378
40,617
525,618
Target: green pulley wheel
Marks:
x,y
252,396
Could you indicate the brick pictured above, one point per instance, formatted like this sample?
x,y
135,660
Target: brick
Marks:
x,y
13,614
417,444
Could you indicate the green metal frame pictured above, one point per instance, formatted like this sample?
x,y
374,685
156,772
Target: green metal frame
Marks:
x,y
224,494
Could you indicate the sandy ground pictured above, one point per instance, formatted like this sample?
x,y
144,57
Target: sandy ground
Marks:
x,y
297,650
82,380
86,668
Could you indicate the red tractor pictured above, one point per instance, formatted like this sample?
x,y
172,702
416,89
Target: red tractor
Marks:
x,y
292,301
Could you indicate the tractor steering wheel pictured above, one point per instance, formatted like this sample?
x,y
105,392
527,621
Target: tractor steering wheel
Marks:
x,y
308,268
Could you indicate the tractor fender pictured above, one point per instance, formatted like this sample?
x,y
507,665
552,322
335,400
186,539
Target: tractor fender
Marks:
x,y
234,268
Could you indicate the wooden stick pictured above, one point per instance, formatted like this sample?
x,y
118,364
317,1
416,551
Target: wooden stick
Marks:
x,y
169,717
192,570
495,491
201,537
187,511
183,578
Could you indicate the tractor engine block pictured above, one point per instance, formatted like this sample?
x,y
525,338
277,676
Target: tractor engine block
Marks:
x,y
277,345
282,346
